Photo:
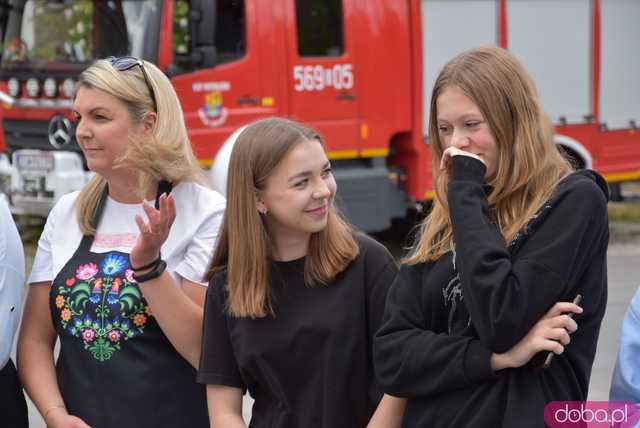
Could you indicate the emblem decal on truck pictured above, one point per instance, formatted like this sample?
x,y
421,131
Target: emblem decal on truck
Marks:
x,y
213,114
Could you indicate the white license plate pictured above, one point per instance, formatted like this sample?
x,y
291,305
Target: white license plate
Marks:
x,y
34,162
33,184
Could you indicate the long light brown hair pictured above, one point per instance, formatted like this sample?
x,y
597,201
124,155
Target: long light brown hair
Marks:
x,y
529,165
244,248
166,155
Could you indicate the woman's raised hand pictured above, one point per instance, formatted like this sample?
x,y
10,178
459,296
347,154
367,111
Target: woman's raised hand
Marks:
x,y
154,232
550,333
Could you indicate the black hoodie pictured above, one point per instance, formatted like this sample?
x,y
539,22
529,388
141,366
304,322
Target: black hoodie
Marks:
x,y
443,319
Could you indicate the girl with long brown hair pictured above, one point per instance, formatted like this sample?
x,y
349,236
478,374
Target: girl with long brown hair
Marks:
x,y
514,235
295,295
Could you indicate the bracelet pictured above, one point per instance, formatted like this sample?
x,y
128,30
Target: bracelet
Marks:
x,y
153,264
157,270
50,408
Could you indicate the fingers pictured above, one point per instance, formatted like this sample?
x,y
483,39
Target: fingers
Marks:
x,y
562,308
445,160
167,210
550,331
560,335
564,321
153,215
569,324
454,151
553,334
142,226
450,152
160,220
553,346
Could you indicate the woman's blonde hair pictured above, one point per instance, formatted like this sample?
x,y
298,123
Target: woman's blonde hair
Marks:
x,y
529,164
244,248
167,155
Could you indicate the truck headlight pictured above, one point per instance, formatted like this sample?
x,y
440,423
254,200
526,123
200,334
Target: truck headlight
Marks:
x,y
33,87
67,87
13,85
50,87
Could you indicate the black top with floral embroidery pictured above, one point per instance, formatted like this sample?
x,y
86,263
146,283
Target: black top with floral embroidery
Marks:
x,y
116,367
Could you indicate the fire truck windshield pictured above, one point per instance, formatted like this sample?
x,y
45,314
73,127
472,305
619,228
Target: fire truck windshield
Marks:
x,y
67,34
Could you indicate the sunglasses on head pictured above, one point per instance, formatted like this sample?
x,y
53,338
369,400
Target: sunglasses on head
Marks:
x,y
124,63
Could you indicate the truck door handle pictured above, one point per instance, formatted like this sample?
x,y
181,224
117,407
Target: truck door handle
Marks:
x,y
248,100
346,96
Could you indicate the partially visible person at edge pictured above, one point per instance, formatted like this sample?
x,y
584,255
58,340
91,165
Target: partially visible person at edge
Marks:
x,y
625,383
295,295
513,237
13,407
120,281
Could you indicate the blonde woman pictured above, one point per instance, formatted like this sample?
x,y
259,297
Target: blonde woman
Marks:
x,y
513,237
295,296
118,280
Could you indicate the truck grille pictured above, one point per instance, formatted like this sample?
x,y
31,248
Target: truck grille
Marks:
x,y
31,134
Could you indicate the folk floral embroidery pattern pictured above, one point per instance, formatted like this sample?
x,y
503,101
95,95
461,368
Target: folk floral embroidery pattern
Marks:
x,y
103,306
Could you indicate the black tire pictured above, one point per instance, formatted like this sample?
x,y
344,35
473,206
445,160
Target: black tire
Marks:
x,y
615,192
574,159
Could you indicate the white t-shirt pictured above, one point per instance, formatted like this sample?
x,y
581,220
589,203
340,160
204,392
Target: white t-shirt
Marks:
x,y
186,251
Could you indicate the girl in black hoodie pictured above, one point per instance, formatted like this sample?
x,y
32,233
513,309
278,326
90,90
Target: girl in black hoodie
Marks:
x,y
513,237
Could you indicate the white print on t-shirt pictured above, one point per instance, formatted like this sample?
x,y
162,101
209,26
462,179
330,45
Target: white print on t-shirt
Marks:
x,y
120,240
452,293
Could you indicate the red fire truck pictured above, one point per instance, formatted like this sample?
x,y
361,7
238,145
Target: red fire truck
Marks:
x,y
360,71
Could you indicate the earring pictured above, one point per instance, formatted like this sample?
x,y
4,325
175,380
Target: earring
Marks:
x,y
263,211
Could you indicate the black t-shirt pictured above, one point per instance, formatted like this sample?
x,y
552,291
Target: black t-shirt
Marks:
x,y
444,319
310,365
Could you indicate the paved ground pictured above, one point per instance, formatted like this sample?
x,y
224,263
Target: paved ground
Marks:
x,y
624,278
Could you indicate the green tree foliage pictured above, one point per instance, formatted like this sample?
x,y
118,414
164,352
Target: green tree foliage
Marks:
x,y
56,24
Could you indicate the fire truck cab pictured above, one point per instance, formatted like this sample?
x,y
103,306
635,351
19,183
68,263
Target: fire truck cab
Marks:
x,y
359,71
